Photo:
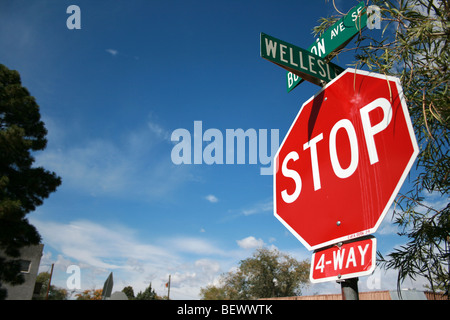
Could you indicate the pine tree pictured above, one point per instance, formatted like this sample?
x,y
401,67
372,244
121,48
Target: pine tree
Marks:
x,y
22,186
148,294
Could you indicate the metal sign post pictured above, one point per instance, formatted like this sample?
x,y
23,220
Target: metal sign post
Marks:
x,y
349,289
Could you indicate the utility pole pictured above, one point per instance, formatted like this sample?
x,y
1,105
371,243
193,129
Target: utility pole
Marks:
x,y
49,282
168,287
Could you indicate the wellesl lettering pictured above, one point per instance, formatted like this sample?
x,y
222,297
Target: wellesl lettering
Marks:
x,y
343,125
296,59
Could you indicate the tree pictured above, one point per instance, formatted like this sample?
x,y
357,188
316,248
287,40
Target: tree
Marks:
x,y
54,293
414,46
211,292
93,294
267,274
148,294
22,186
129,292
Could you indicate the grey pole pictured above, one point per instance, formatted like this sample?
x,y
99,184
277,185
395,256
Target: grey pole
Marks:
x,y
349,289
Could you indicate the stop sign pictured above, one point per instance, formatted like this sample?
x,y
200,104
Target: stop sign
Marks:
x,y
344,159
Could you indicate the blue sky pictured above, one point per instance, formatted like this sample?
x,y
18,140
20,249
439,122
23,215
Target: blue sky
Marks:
x,y
112,93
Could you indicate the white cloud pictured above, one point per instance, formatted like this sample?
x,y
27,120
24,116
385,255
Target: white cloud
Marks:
x,y
387,227
159,131
192,245
208,265
137,165
186,283
99,249
250,243
211,198
113,52
95,244
259,207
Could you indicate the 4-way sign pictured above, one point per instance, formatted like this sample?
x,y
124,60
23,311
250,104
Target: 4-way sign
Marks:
x,y
344,159
344,260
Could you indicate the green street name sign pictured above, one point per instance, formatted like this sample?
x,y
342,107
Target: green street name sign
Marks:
x,y
297,60
335,38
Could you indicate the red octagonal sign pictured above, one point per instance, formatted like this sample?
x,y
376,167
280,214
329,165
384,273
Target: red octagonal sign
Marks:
x,y
344,159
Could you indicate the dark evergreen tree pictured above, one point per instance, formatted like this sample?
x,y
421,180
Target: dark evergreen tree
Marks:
x,y
22,186
148,294
129,292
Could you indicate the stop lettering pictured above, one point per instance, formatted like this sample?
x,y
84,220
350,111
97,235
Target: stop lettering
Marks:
x,y
344,159
349,130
